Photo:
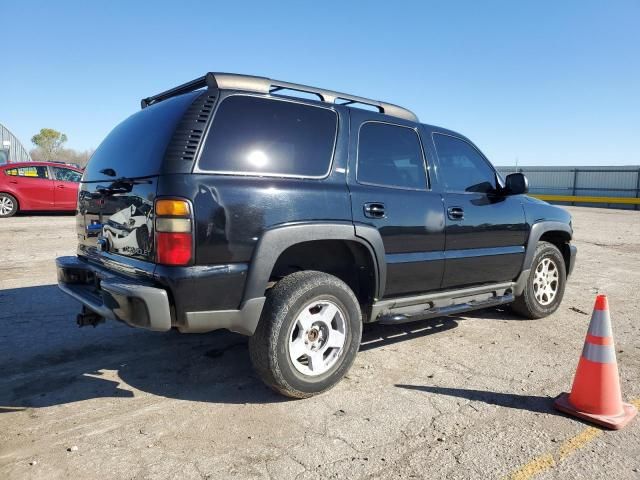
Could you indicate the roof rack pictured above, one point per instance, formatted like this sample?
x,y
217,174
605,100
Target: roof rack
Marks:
x,y
232,81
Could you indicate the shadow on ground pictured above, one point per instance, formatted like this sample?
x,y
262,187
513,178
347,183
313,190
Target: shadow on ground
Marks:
x,y
46,213
531,403
376,335
47,360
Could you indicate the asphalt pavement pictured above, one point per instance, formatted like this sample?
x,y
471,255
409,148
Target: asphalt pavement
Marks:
x,y
455,397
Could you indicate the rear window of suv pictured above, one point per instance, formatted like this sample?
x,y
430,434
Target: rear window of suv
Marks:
x,y
261,136
136,147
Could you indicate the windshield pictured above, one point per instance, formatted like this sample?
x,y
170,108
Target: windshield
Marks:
x,y
136,147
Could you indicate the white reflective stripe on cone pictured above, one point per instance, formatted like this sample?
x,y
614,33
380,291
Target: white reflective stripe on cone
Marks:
x,y
599,353
600,325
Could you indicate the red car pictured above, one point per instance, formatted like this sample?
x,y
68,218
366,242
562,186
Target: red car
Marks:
x,y
38,186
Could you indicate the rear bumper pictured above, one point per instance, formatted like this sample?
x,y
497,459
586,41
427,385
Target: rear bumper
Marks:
x,y
114,297
147,305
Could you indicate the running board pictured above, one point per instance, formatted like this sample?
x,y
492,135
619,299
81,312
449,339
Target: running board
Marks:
x,y
421,307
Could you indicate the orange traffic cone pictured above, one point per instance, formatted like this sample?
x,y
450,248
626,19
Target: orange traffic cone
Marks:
x,y
595,394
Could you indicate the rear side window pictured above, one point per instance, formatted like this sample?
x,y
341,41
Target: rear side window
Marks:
x,y
260,136
137,146
31,172
462,168
391,156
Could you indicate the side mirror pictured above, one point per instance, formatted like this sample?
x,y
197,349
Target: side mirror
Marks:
x,y
516,184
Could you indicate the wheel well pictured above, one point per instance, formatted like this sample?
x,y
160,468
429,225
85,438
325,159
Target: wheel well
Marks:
x,y
561,240
350,261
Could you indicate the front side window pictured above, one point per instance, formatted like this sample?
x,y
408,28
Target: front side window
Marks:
x,y
261,136
462,168
31,172
391,156
66,174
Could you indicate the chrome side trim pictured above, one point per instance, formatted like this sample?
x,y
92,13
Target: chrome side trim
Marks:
x,y
452,254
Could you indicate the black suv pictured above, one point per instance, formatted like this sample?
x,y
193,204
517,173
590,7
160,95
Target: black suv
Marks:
x,y
295,214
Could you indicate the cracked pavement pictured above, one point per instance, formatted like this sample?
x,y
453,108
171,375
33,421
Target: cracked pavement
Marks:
x,y
455,397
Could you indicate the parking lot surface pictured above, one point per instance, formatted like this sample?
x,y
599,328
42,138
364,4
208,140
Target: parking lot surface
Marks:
x,y
456,397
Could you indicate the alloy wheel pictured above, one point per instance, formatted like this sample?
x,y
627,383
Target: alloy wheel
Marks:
x,y
6,206
546,281
317,338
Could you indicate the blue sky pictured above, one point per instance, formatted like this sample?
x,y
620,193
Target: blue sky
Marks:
x,y
546,82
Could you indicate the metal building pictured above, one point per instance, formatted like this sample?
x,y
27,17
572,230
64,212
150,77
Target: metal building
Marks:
x,y
11,150
614,186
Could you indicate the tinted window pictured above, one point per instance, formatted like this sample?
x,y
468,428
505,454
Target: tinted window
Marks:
x,y
66,174
462,168
390,155
33,172
136,147
261,136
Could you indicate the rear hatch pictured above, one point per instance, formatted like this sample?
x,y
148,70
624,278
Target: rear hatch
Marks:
x,y
119,186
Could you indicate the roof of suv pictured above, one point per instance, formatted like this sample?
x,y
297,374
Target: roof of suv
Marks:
x,y
249,83
255,84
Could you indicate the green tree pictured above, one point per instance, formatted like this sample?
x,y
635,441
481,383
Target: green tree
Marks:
x,y
50,142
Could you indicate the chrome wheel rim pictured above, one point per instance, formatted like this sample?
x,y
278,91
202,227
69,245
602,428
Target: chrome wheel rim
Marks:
x,y
6,206
317,338
546,281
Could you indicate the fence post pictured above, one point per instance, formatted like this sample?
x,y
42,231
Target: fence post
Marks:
x,y
638,188
573,188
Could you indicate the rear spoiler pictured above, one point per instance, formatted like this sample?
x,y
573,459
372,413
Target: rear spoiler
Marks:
x,y
209,80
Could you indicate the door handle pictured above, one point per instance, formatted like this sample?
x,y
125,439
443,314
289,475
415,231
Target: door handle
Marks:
x,y
374,210
13,181
455,213
60,186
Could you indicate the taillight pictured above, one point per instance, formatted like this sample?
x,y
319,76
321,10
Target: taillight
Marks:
x,y
172,208
174,232
173,248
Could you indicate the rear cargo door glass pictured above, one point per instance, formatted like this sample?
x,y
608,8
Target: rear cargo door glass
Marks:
x,y
261,136
136,147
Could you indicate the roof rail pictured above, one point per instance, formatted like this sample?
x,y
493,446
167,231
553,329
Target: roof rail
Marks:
x,y
232,81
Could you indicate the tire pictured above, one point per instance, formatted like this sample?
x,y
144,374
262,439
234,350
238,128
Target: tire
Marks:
x,y
303,298
8,205
534,303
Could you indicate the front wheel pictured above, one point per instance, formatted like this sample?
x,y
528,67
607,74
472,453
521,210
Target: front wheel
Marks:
x,y
308,334
544,290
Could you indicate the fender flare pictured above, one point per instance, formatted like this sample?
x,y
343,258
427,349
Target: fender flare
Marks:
x,y
537,230
276,240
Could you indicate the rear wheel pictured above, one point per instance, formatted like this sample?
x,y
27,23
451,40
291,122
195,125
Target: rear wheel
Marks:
x,y
544,290
8,205
308,335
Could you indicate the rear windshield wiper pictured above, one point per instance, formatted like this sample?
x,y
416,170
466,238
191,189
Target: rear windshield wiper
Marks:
x,y
119,185
124,180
